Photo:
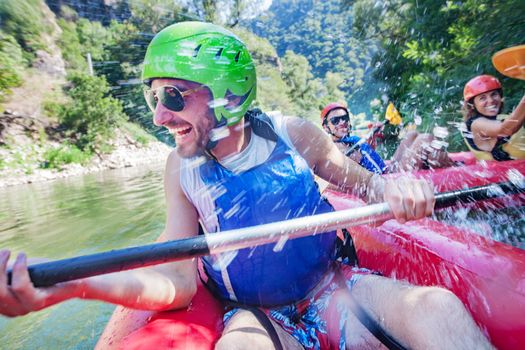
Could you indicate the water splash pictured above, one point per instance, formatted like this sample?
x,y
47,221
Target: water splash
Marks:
x,y
503,224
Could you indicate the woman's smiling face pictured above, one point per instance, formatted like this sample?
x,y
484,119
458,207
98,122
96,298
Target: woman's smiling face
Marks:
x,y
488,103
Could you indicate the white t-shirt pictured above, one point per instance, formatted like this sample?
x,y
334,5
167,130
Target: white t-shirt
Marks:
x,y
257,151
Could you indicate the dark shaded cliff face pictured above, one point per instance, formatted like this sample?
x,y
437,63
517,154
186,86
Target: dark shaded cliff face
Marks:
x,y
95,10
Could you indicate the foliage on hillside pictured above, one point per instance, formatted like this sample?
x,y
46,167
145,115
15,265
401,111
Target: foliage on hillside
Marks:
x,y
21,33
320,31
11,64
24,20
80,37
92,114
286,84
430,49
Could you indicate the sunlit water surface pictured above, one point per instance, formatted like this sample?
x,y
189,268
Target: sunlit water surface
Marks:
x,y
75,216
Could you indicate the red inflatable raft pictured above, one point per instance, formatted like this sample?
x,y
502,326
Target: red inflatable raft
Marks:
x,y
488,276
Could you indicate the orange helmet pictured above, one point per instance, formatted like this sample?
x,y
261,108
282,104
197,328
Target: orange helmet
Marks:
x,y
479,85
330,107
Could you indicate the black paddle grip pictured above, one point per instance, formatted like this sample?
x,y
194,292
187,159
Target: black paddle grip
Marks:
x,y
53,272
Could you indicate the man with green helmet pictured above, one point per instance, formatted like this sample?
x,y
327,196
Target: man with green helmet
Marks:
x,y
234,167
208,55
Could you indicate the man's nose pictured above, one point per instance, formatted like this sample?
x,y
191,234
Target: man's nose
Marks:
x,y
162,115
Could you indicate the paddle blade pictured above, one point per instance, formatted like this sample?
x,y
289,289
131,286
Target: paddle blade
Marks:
x,y
511,62
392,115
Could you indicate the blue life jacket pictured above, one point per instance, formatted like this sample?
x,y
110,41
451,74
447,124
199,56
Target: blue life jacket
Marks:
x,y
281,188
370,160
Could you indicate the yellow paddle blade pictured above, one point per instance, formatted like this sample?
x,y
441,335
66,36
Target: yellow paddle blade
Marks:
x,y
392,115
511,62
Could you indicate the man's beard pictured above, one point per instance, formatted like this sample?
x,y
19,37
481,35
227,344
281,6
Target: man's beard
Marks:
x,y
198,147
195,148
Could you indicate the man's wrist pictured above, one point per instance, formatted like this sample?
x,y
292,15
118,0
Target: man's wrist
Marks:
x,y
375,189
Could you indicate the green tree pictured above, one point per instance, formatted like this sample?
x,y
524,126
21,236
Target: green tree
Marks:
x,y
272,90
321,32
430,49
92,114
80,38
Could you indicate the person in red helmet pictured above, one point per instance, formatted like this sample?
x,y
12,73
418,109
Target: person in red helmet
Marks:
x,y
489,134
336,122
416,151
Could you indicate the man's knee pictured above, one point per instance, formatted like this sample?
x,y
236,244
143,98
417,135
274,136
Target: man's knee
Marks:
x,y
436,311
233,341
433,303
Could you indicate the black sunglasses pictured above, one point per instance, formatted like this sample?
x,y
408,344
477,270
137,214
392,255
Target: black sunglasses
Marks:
x,y
170,97
339,119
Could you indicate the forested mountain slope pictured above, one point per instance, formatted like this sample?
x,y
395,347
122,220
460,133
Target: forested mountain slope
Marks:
x,y
322,32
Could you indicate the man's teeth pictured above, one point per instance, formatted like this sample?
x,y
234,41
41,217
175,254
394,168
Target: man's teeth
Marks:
x,y
181,131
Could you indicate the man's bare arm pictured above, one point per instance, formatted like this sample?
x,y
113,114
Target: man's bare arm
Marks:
x,y
162,287
326,160
407,197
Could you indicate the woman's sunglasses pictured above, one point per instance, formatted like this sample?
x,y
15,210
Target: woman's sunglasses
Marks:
x,y
170,97
342,118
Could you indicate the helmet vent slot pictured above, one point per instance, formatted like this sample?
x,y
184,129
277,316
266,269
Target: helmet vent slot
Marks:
x,y
237,57
196,51
219,53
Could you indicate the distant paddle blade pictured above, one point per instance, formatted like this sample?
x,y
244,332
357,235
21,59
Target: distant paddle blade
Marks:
x,y
392,115
511,62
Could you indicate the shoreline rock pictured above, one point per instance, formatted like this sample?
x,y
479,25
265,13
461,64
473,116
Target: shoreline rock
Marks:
x,y
124,156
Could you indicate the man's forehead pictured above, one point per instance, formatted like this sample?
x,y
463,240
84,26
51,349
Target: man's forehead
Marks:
x,y
337,112
170,81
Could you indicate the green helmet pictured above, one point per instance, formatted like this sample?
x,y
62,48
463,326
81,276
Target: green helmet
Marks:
x,y
207,54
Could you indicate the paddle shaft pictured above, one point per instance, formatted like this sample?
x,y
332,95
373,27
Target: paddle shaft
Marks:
x,y
53,272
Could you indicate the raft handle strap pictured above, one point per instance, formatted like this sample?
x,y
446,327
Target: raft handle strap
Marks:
x,y
346,249
258,313
267,324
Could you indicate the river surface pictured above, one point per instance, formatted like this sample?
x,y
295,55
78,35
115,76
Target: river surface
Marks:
x,y
76,216
116,209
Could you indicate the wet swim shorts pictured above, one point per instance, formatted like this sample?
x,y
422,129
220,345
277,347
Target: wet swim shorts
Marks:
x,y
317,322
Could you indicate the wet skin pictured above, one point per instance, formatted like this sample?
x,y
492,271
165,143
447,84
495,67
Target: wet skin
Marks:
x,y
341,129
488,103
191,126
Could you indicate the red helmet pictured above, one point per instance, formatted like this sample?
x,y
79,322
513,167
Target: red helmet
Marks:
x,y
479,85
330,107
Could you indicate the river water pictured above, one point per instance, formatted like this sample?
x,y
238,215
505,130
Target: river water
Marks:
x,y
75,216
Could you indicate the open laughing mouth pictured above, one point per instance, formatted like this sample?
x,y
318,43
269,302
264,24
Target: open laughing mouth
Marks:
x,y
181,133
493,109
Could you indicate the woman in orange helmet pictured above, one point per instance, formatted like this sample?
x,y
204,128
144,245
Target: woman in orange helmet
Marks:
x,y
489,134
